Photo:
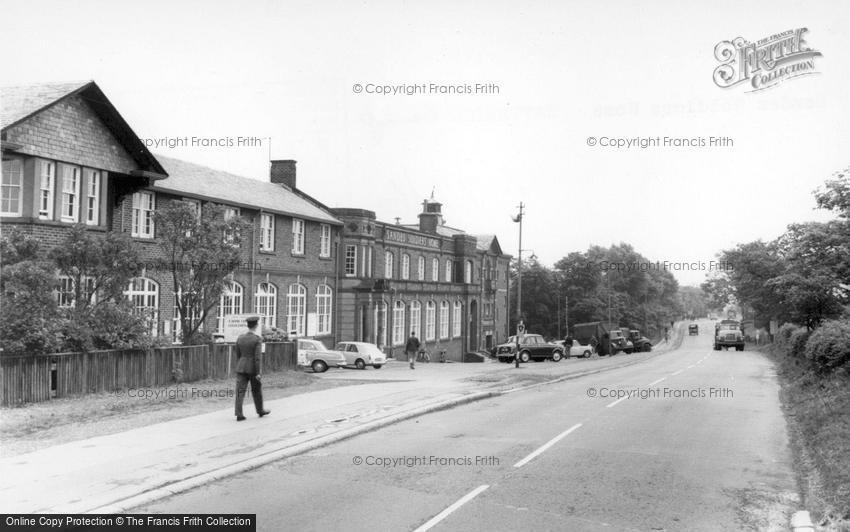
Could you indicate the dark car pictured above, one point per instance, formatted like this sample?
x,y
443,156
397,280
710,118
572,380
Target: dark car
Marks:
x,y
531,347
693,329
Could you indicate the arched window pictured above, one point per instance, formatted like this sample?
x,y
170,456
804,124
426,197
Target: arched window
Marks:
x,y
324,302
456,319
444,320
416,318
420,270
398,323
467,272
296,309
265,301
229,303
435,270
193,315
143,294
448,272
430,321
388,265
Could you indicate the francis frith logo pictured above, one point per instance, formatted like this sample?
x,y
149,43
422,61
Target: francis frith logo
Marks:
x,y
764,63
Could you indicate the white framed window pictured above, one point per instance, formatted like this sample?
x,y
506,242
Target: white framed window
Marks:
x,y
92,197
405,266
297,236
143,294
350,264
456,319
324,302
177,324
229,214
70,193
416,317
388,265
444,319
325,241
229,303
381,323
11,187
195,205
267,232
143,206
265,303
430,321
296,309
66,295
435,270
448,270
398,323
467,272
46,189
420,268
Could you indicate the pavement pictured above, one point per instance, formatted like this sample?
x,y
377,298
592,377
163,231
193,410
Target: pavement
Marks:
x,y
116,472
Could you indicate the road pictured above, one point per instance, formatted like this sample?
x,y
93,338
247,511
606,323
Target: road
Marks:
x,y
700,444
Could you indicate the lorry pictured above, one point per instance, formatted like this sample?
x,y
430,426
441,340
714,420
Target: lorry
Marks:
x,y
639,342
728,333
605,338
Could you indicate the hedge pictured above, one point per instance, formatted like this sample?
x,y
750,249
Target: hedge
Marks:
x,y
828,346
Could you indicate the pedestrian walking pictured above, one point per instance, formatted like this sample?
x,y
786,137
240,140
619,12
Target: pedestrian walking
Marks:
x,y
666,334
411,348
249,347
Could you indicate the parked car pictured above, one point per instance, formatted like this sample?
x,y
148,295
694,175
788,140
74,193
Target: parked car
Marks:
x,y
693,329
314,354
576,350
619,342
531,347
361,354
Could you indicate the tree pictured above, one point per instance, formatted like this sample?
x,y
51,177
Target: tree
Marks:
x,y
200,251
29,321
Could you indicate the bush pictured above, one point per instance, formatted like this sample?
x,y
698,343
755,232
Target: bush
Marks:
x,y
783,337
829,346
797,342
274,335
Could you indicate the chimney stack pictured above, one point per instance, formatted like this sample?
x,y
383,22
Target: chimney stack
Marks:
x,y
283,172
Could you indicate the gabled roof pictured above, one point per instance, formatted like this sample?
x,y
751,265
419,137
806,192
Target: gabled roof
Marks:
x,y
201,182
489,243
21,102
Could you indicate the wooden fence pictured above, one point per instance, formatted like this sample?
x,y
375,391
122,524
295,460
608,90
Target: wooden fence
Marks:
x,y
34,378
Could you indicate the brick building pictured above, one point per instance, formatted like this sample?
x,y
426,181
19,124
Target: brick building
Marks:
x,y
333,274
448,286
69,157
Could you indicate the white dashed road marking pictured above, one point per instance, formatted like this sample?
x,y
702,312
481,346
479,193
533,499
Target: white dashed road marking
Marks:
x,y
445,513
546,445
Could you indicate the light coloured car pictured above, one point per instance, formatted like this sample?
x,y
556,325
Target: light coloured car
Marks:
x,y
361,354
577,349
314,354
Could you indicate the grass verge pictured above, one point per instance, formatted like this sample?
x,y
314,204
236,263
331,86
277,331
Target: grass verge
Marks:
x,y
818,412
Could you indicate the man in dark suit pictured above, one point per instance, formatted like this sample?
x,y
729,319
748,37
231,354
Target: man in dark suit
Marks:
x,y
248,350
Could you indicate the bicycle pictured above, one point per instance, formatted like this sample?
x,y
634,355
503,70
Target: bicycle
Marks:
x,y
423,356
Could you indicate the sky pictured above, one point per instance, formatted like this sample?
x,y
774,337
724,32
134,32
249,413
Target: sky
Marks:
x,y
550,76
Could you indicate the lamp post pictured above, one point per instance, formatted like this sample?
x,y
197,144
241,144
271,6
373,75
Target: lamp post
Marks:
x,y
520,328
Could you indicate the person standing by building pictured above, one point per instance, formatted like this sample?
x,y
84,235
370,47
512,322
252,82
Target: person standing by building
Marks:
x,y
248,351
411,348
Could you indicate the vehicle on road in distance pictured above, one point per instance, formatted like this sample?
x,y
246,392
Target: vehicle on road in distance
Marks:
x,y
693,329
314,354
361,354
640,342
728,334
576,350
531,347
